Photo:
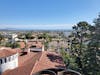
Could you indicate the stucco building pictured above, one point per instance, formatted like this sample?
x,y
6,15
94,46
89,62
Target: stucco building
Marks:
x,y
8,59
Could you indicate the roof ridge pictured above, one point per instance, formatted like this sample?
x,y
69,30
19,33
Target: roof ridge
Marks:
x,y
36,63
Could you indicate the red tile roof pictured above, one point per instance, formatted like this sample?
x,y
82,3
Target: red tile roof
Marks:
x,y
26,64
5,52
34,62
45,62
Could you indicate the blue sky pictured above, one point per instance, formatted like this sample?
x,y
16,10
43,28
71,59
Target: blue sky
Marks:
x,y
46,14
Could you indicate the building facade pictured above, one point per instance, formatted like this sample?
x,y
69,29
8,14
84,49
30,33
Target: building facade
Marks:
x,y
8,62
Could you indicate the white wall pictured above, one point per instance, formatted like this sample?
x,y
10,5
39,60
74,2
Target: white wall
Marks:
x,y
13,63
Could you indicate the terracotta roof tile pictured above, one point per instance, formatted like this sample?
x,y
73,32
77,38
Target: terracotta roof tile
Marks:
x,y
25,67
33,62
4,52
45,62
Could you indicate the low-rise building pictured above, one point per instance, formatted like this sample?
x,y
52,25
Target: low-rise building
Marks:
x,y
10,37
8,59
28,62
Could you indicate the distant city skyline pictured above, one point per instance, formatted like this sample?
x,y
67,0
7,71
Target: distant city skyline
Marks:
x,y
46,14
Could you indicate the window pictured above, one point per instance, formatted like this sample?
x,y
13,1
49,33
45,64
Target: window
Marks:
x,y
0,61
5,60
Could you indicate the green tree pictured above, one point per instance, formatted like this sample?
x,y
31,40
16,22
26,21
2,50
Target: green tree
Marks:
x,y
93,59
78,44
69,60
12,45
85,47
47,38
28,35
1,38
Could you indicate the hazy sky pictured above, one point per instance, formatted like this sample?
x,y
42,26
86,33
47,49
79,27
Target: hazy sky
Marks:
x,y
46,14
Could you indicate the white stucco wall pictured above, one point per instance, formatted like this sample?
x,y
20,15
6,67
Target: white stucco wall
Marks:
x,y
9,64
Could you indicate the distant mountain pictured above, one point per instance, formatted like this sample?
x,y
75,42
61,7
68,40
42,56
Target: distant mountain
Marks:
x,y
15,29
7,29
